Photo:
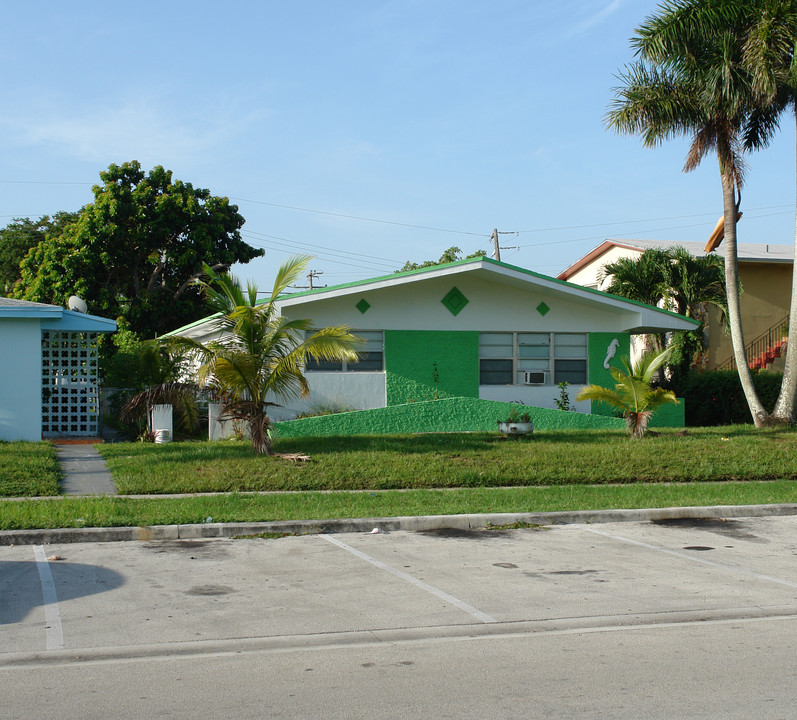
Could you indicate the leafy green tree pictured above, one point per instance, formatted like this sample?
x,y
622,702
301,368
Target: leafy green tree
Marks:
x,y
453,254
633,393
694,78
136,250
258,360
19,237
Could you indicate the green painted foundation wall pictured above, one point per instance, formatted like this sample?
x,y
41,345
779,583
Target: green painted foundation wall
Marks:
x,y
597,347
423,365
460,414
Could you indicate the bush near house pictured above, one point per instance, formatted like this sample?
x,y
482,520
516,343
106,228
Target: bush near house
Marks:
x,y
715,397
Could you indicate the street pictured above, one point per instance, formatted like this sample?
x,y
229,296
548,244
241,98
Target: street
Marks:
x,y
680,618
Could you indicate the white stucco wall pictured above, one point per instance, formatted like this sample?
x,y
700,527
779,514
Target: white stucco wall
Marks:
x,y
20,380
590,274
544,396
349,390
418,306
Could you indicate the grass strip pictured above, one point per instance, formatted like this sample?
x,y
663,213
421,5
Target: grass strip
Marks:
x,y
28,468
235,507
457,460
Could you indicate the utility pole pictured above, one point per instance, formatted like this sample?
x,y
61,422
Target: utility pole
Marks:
x,y
497,247
310,277
314,274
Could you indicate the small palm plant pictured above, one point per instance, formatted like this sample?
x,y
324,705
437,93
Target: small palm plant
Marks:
x,y
259,357
633,394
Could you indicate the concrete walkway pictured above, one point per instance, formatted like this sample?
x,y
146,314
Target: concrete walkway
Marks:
x,y
85,471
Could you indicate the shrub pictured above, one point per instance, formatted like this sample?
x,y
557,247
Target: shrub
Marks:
x,y
715,397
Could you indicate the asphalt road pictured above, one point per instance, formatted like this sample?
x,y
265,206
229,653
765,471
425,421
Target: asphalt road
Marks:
x,y
678,619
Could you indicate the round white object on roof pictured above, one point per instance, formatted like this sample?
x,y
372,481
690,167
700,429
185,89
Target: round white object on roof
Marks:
x,y
77,304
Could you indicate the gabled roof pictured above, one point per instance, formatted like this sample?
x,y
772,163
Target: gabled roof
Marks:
x,y
746,252
54,317
493,271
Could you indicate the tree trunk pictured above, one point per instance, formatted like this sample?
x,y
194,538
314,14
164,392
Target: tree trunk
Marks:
x,y
732,289
784,407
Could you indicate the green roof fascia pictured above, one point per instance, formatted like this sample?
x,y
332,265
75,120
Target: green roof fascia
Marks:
x,y
432,268
196,323
380,278
601,293
516,268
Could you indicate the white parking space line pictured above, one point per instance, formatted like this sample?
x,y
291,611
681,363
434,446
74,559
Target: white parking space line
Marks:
x,y
685,556
445,597
52,615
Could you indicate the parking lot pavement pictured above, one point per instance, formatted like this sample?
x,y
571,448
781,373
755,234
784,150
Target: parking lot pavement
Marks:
x,y
679,618
143,598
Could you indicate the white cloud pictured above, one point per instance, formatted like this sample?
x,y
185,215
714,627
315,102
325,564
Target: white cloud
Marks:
x,y
150,129
580,27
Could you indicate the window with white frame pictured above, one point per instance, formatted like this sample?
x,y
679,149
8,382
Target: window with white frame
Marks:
x,y
371,356
519,358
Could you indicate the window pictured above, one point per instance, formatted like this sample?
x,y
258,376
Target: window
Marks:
x,y
505,358
570,358
371,356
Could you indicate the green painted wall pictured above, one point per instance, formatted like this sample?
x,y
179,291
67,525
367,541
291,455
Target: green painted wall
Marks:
x,y
597,347
410,357
461,414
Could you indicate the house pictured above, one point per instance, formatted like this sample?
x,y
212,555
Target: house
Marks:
x,y
765,272
48,362
470,329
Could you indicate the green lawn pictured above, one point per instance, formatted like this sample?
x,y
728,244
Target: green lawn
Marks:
x,y
28,468
234,507
388,476
457,460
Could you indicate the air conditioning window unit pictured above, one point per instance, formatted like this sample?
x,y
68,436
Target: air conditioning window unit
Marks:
x,y
538,377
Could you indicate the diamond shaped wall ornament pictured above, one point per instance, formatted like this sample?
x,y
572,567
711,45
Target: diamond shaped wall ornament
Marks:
x,y
363,306
543,309
454,301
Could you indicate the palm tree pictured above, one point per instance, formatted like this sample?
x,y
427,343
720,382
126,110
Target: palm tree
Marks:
x,y
770,56
633,393
258,359
643,279
692,79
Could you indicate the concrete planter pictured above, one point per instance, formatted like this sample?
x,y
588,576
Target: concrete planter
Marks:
x,y
516,429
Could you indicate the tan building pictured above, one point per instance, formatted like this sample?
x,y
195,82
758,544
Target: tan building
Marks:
x,y
766,275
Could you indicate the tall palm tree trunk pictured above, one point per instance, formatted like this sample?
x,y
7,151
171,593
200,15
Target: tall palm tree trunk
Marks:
x,y
732,288
784,407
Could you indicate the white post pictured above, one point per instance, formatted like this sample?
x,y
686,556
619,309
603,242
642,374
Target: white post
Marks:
x,y
162,423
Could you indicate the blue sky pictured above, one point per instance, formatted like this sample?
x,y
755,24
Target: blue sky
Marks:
x,y
366,133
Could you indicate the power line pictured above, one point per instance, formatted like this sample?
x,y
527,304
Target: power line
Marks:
x,y
357,217
323,247
631,222
638,232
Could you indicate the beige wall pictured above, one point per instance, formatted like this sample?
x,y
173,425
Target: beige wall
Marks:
x,y
766,293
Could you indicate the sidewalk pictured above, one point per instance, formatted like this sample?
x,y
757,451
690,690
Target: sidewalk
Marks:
x,y
85,471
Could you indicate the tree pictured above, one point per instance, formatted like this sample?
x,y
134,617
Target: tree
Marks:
x,y
770,57
693,78
259,359
19,237
678,281
633,393
137,249
453,254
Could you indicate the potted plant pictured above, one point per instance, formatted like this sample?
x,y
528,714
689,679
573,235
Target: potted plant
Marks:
x,y
516,424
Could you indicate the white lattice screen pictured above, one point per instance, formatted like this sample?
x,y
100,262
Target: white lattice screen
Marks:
x,y
70,403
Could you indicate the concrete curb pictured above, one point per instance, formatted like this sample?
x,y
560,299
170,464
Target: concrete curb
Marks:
x,y
390,524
